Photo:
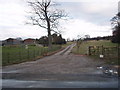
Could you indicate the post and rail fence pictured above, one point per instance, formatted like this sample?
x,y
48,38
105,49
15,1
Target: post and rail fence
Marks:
x,y
10,56
106,52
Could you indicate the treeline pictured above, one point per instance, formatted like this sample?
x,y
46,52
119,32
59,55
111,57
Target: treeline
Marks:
x,y
100,38
115,22
56,39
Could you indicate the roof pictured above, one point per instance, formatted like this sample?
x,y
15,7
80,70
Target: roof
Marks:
x,y
29,40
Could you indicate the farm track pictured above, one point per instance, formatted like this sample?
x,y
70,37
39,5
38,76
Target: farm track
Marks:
x,y
62,66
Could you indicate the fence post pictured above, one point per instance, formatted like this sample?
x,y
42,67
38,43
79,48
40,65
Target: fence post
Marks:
x,y
20,55
89,51
28,53
34,53
102,50
8,56
38,52
41,51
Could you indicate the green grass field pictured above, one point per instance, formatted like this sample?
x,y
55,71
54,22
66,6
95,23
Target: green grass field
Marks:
x,y
17,54
84,46
83,49
68,43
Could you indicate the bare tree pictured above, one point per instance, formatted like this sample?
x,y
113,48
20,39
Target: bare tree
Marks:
x,y
115,22
45,15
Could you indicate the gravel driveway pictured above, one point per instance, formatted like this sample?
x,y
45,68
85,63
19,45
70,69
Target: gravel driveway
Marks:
x,y
60,64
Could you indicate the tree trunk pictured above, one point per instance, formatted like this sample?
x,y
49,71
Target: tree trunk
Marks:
x,y
49,31
49,39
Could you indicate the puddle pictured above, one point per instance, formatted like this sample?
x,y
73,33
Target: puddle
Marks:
x,y
14,71
108,71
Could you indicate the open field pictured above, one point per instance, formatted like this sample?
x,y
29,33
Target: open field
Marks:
x,y
68,43
17,54
84,46
21,53
84,50
60,67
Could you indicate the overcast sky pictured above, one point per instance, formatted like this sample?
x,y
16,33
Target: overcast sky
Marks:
x,y
85,17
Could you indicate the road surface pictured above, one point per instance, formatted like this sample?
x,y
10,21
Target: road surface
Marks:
x,y
61,70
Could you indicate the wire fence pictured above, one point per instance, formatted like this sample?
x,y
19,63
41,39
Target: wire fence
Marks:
x,y
12,55
107,52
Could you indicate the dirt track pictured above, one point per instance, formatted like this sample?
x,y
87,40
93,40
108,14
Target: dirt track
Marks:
x,y
60,66
61,70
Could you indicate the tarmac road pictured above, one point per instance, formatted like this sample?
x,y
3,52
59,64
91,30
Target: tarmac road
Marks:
x,y
61,70
58,84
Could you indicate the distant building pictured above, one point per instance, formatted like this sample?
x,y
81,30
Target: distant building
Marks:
x,y
11,41
29,41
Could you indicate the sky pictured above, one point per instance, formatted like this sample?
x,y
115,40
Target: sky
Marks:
x,y
90,17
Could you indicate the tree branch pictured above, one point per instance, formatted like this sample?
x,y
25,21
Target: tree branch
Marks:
x,y
44,16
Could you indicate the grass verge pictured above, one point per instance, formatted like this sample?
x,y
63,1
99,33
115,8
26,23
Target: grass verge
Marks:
x,y
83,50
18,54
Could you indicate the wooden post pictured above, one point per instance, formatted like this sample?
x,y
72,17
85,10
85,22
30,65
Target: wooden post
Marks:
x,y
34,53
8,55
89,50
20,55
28,53
102,50
77,46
